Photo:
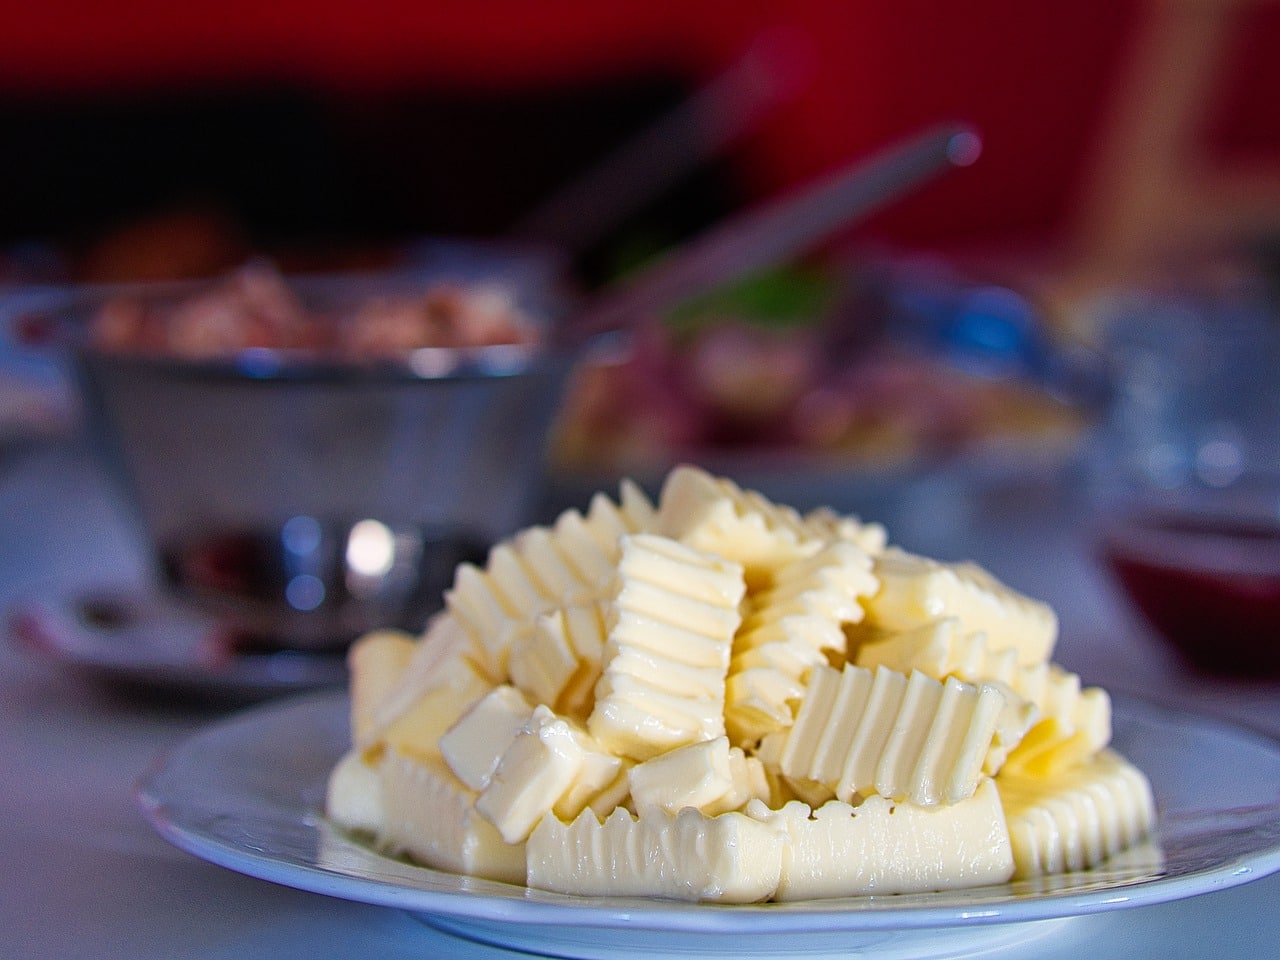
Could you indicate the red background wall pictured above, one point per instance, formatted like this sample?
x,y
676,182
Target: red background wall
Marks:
x,y
1034,77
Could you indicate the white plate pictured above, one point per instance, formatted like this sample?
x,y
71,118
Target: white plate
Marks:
x,y
247,793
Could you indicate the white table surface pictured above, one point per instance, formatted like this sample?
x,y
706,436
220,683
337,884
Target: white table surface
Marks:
x,y
82,874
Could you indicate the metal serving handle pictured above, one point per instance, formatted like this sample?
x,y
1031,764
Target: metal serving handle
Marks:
x,y
778,230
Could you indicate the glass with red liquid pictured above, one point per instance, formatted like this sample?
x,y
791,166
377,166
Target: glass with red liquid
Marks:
x,y
1187,471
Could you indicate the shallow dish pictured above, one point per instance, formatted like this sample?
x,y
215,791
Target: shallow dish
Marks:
x,y
139,641
247,793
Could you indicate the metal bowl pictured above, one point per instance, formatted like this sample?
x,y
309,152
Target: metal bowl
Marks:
x,y
308,497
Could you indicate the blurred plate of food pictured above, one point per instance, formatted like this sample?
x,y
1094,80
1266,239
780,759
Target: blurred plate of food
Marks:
x,y
870,368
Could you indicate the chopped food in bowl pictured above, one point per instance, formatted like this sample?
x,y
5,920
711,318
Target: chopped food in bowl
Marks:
x,y
256,308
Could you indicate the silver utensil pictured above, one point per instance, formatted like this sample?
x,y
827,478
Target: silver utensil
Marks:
x,y
781,229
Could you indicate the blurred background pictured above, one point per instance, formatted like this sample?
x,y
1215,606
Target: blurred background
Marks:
x,y
148,139
151,141
1129,145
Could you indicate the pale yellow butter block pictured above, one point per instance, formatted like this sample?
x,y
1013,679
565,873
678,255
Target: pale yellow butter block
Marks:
x,y
597,782
638,722
646,630
715,515
429,815
591,561
375,662
523,577
585,630
940,763
548,567
815,749
828,585
1016,719
717,617
538,571
474,603
784,656
604,525
730,858
485,614
558,663
748,781
900,737
886,847
445,656
417,729
808,633
810,792
917,590
1077,818
475,743
865,713
695,775
633,667
942,649
1058,743
511,578
614,795
543,663
670,636
707,581
829,525
785,632
539,767
607,524
758,701
636,506
1052,721
353,793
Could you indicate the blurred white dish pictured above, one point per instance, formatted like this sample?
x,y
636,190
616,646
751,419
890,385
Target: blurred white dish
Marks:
x,y
246,793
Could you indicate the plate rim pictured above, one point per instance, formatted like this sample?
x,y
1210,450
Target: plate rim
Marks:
x,y
469,898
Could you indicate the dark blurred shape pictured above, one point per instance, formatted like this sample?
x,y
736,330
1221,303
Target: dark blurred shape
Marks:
x,y
255,158
181,243
171,183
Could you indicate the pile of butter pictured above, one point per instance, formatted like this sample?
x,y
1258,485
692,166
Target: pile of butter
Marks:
x,y
718,698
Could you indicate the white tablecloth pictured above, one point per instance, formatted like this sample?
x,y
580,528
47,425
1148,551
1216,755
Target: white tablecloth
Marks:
x,y
84,876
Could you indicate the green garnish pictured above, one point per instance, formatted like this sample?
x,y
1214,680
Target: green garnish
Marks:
x,y
781,298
